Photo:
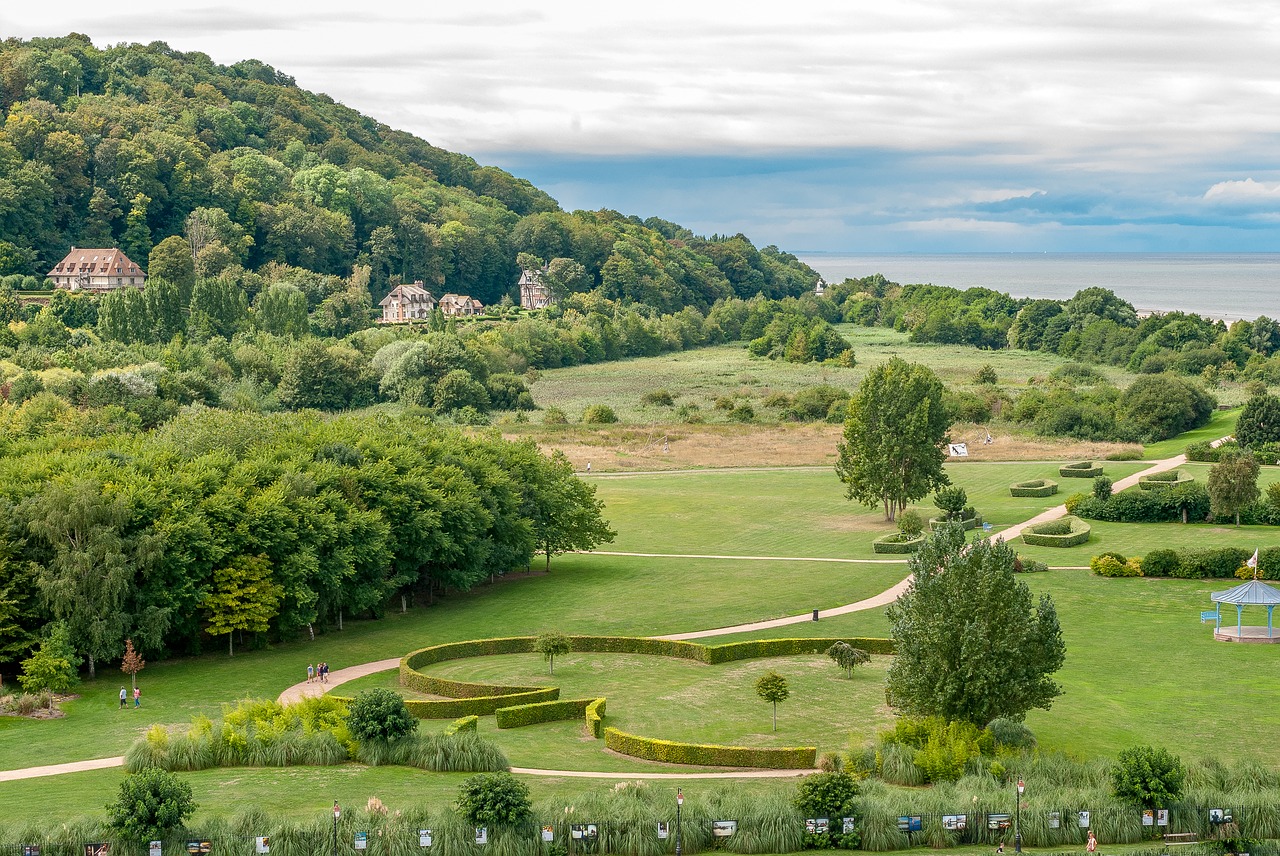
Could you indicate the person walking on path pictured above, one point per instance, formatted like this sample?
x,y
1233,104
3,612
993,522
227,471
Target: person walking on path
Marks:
x,y
311,672
137,698
124,694
1092,846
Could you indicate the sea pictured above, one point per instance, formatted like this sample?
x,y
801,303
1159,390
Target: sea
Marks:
x,y
1228,286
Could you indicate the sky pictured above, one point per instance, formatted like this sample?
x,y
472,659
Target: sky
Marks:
x,y
860,127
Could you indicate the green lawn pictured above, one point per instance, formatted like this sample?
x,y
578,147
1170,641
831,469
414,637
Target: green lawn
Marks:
x,y
1222,424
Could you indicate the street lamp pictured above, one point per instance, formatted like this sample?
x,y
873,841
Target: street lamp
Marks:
x,y
337,813
679,802
1017,819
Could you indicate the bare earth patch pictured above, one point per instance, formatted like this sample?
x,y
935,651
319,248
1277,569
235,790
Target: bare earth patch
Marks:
x,y
632,448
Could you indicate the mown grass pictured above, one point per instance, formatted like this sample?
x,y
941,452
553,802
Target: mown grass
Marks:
x,y
1221,424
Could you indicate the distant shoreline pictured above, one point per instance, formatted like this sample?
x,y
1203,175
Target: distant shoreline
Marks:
x,y
1224,286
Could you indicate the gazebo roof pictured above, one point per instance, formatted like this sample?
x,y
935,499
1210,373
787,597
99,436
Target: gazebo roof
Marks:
x,y
1253,592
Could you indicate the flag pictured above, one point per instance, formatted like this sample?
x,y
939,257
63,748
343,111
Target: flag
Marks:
x,y
1253,560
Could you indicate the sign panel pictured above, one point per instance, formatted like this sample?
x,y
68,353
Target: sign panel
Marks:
x,y
1055,820
260,845
424,837
1162,817
1082,819
911,823
362,841
723,828
593,831
1148,817
663,831
100,848
575,830
31,850
847,825
997,821
955,822
155,848
482,835
548,833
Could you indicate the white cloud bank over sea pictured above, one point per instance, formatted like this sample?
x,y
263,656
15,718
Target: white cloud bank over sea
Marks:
x,y
911,126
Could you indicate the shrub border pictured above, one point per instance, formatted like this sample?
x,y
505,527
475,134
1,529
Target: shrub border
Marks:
x,y
1080,470
710,755
1048,487
883,545
545,711
974,522
1079,534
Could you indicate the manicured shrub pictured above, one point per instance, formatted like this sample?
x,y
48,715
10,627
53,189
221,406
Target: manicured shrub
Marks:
x,y
595,718
658,398
1102,488
897,543
1080,470
986,375
1074,502
951,500
546,711
464,724
1035,487
1108,565
709,755
598,414
1215,563
1167,479
1077,532
1147,776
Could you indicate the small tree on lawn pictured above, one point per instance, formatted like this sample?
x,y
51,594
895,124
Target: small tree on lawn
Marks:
x,y
494,799
1147,777
951,502
133,662
379,714
52,668
772,687
551,644
848,657
151,803
1233,483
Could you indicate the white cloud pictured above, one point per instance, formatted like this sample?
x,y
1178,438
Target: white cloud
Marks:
x,y
1247,190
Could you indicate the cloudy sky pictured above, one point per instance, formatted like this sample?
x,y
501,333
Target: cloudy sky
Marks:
x,y
970,125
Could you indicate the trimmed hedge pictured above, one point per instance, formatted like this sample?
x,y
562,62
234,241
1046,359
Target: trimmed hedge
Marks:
x,y
893,543
973,522
466,723
595,718
545,711
1047,534
1080,470
1153,506
1170,478
709,755
1035,487
483,699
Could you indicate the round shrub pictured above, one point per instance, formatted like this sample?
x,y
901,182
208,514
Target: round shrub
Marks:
x,y
599,414
554,416
1160,563
1073,501
910,523
494,799
151,803
744,412
1010,734
658,398
379,714
1107,565
986,375
1102,488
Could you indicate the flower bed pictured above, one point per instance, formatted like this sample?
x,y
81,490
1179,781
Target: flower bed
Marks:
x,y
1063,532
1035,487
1080,470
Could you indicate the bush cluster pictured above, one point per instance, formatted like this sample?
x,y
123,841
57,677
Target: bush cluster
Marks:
x,y
1115,565
1187,500
710,755
1213,563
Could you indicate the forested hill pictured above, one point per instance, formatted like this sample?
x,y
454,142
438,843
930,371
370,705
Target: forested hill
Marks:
x,y
120,146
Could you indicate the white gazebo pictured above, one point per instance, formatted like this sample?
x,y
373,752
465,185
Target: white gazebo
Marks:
x,y
1252,593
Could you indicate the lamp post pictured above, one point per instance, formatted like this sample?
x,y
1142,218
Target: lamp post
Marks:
x,y
337,813
1017,819
679,802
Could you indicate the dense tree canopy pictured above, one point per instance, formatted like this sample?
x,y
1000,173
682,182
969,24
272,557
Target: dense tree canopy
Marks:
x,y
970,643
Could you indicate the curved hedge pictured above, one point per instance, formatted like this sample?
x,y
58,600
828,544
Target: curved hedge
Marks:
x,y
1080,470
709,755
1063,532
595,718
471,699
893,543
1169,478
545,711
466,723
1035,487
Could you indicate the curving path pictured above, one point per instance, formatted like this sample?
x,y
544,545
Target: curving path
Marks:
x,y
341,676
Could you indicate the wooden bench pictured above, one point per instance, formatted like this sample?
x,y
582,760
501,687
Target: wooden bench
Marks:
x,y
1173,839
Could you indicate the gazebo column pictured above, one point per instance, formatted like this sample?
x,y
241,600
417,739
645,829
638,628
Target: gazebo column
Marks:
x,y
1239,621
1270,608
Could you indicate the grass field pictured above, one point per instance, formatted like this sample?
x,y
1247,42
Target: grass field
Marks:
x,y
1140,665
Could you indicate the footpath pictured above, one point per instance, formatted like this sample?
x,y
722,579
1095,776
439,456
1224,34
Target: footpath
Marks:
x,y
884,598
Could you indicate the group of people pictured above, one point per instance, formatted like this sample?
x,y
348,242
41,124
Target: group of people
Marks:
x,y
320,672
124,697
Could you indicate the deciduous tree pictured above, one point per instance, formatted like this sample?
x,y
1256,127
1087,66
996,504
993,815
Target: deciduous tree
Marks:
x,y
552,644
894,436
1233,483
970,644
1147,777
151,803
773,688
244,597
132,662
